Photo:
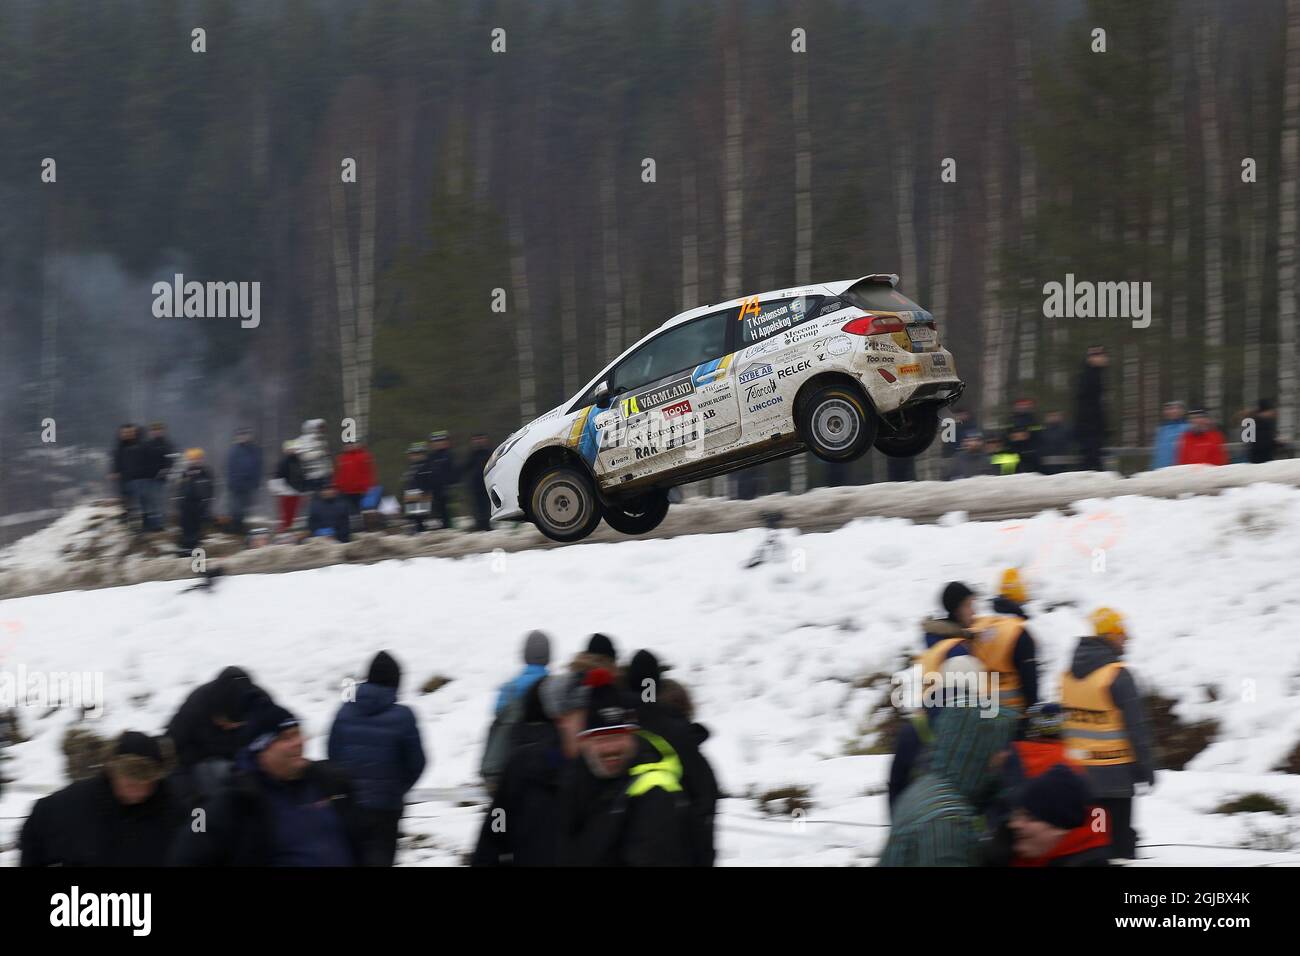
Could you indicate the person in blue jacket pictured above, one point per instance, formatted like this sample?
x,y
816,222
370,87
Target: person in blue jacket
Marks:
x,y
377,742
329,516
243,476
537,655
1169,435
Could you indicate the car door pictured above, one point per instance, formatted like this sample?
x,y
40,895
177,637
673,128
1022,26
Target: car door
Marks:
x,y
770,332
655,421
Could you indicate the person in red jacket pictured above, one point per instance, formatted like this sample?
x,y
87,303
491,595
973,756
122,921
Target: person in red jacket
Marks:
x,y
354,474
1202,444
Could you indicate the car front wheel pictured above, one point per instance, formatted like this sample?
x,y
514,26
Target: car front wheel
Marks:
x,y
836,424
638,515
913,436
563,504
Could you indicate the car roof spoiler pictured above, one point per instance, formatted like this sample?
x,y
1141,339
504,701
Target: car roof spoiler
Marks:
x,y
884,278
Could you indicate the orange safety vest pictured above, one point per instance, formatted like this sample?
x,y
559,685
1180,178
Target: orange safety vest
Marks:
x,y
1095,733
995,645
1036,758
931,659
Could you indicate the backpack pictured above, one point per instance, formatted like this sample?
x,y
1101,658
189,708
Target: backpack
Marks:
x,y
499,740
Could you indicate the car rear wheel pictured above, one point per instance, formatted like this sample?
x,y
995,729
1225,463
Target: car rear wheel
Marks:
x,y
913,436
563,504
638,515
836,424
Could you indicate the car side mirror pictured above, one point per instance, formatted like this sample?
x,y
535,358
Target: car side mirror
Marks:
x,y
602,395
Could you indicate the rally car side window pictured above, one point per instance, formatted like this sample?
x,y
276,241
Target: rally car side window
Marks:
x,y
675,350
762,320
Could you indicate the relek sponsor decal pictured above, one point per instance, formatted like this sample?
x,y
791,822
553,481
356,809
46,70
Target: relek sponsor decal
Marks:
x,y
678,408
794,369
753,372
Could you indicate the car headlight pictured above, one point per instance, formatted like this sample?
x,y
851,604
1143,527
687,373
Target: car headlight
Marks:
x,y
502,450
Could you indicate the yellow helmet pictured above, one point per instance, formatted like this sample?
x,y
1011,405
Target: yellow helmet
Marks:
x,y
193,454
1106,622
1012,587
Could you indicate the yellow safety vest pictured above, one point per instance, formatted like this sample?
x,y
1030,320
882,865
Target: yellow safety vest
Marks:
x,y
666,772
1095,733
995,645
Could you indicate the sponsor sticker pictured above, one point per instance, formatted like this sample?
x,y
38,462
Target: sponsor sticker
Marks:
x,y
754,372
761,390
677,408
938,361
767,403
835,345
794,369
658,395
909,369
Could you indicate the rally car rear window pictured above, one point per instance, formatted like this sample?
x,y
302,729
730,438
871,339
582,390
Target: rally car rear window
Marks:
x,y
879,297
762,320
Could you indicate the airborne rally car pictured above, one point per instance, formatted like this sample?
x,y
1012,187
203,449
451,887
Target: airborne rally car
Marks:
x,y
832,369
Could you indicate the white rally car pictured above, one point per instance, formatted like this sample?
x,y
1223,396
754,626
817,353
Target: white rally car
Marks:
x,y
831,368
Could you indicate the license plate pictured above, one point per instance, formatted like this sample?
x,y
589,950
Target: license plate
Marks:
x,y
921,335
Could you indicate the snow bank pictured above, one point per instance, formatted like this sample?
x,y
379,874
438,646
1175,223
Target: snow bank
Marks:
x,y
771,654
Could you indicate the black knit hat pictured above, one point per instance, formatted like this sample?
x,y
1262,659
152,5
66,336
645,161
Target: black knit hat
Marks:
x,y
269,722
953,595
385,671
1059,797
600,644
134,743
607,710
233,693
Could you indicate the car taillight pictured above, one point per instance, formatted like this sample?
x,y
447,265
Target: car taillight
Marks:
x,y
873,325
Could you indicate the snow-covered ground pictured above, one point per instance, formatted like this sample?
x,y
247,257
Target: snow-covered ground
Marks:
x,y
1210,587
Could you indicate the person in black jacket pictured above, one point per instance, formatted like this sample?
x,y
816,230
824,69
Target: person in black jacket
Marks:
x,y
1090,418
125,815
1264,447
622,802
443,475
521,827
212,722
377,742
646,683
480,452
277,808
156,463
193,497
417,487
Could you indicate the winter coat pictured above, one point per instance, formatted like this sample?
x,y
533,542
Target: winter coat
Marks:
x,y
443,472
377,742
1055,447
1118,780
968,464
257,821
130,460
157,457
84,825
518,686
1202,448
191,729
1028,449
290,472
354,471
935,821
1169,437
1090,415
698,779
331,514
602,825
314,454
419,476
195,486
527,796
244,467
1264,447
1025,654
472,472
